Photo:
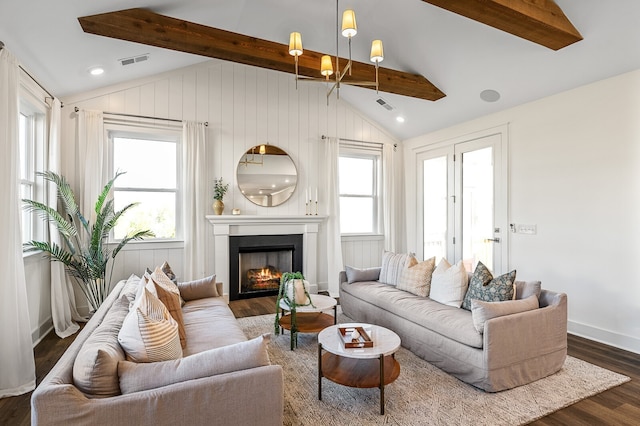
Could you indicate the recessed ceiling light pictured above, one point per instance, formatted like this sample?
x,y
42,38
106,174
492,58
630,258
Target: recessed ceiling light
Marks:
x,y
400,119
96,70
489,95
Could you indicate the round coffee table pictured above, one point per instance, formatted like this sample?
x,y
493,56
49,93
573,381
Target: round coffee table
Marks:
x,y
308,319
358,367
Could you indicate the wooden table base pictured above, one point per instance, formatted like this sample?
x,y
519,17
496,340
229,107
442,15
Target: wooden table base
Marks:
x,y
357,373
307,322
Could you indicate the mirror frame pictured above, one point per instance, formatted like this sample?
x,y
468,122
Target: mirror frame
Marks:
x,y
270,160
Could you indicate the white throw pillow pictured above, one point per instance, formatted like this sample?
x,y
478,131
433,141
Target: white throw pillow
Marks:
x,y
239,356
484,311
449,283
148,332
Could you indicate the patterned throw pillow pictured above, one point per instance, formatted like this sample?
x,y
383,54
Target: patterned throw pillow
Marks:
x,y
483,286
392,266
417,278
148,332
169,294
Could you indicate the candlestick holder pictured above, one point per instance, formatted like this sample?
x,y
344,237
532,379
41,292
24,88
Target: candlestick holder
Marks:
x,y
316,208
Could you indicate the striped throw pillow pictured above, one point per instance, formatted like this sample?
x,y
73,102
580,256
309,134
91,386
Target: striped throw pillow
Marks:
x,y
149,333
392,266
168,293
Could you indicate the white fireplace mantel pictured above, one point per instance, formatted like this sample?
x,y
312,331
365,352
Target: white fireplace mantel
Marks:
x,y
227,225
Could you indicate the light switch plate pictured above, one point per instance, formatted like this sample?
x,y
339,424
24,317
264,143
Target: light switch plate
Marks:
x,y
527,229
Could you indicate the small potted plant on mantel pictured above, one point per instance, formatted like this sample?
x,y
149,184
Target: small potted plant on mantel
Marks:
x,y
219,189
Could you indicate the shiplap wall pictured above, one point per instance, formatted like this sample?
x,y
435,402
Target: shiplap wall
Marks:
x,y
244,106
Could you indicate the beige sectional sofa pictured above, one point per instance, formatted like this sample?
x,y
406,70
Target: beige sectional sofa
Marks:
x,y
511,351
222,377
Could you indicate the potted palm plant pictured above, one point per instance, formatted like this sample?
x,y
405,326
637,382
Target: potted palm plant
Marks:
x,y
85,251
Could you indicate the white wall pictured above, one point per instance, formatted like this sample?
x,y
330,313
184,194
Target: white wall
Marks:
x,y
574,171
244,106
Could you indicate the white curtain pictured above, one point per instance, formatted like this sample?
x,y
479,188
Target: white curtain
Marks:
x,y
195,199
393,196
334,240
63,301
92,161
17,372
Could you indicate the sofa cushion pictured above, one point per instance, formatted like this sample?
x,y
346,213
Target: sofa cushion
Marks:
x,y
417,278
392,266
449,321
482,312
483,286
449,283
148,332
199,289
240,356
525,289
210,324
95,368
355,274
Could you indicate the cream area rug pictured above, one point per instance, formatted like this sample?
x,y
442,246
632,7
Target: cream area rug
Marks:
x,y
423,394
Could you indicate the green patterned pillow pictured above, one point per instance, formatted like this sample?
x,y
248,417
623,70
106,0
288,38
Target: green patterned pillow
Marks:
x,y
483,286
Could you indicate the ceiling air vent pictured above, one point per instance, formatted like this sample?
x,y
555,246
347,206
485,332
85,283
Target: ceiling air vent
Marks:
x,y
384,104
134,59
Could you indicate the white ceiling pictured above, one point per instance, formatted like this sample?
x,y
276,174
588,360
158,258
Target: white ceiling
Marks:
x,y
460,56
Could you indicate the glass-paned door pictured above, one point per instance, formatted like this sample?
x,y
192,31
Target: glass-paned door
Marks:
x,y
463,209
476,207
435,207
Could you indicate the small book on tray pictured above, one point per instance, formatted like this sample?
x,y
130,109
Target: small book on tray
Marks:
x,y
362,341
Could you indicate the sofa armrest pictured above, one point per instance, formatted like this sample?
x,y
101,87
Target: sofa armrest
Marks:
x,y
220,399
512,338
342,278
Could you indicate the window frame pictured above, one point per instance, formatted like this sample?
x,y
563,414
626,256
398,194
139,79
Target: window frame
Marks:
x,y
149,132
369,152
35,112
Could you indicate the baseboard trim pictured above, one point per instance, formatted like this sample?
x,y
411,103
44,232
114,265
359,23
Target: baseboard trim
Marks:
x,y
41,331
617,340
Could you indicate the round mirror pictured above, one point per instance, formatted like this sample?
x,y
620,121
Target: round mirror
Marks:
x,y
266,175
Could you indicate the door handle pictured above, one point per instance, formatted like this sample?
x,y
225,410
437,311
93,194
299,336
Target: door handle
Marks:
x,y
495,240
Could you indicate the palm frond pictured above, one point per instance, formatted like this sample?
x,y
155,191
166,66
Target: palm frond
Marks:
x,y
53,250
105,193
139,235
117,215
66,195
100,229
51,215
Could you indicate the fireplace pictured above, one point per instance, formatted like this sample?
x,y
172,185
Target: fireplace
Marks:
x,y
256,263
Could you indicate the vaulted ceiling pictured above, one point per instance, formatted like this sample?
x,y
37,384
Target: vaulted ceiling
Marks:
x,y
439,54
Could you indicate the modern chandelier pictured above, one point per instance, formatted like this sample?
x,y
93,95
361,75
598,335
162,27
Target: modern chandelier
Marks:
x,y
349,29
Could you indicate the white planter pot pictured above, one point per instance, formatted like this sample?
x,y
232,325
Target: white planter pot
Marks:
x,y
295,290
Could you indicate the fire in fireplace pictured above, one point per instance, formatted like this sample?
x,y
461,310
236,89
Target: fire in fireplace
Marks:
x,y
256,263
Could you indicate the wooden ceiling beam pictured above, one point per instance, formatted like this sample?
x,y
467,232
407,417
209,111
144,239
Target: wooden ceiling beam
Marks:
x,y
539,21
149,28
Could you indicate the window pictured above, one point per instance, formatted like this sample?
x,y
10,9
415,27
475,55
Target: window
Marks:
x,y
31,128
151,180
359,171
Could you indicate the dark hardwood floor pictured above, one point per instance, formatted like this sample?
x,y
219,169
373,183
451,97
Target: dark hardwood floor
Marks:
x,y
617,406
